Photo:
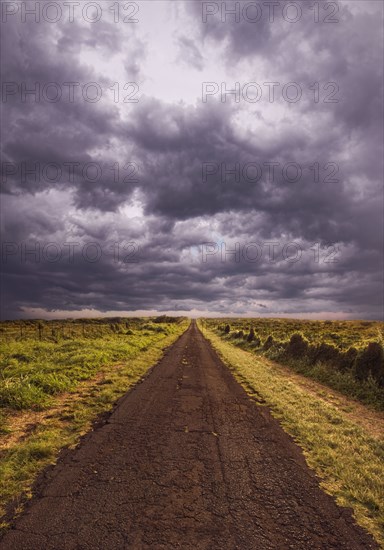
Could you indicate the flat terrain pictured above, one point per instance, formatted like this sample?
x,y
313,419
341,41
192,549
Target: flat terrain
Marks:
x,y
185,461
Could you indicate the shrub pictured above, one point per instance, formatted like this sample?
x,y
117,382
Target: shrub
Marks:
x,y
268,343
325,353
227,329
370,361
347,359
297,346
165,319
251,335
256,342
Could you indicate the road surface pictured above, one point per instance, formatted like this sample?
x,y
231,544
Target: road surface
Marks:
x,y
185,461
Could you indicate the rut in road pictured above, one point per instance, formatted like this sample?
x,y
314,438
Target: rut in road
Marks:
x,y
185,461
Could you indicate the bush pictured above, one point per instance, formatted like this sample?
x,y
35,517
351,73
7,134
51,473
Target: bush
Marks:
x,y
251,335
165,319
268,343
347,359
325,353
227,329
370,362
297,347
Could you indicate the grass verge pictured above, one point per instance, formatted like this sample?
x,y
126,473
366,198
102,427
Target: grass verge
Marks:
x,y
344,453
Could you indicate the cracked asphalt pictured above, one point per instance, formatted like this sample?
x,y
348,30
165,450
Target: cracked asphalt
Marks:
x,y
186,460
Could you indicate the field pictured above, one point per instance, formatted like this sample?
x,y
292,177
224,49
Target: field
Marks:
x,y
345,355
56,377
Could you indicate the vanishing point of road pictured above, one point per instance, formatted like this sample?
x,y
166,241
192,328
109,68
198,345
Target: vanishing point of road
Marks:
x,y
186,460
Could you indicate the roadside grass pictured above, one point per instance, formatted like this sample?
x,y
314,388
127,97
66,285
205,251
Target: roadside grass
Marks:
x,y
347,356
51,396
341,334
343,453
367,391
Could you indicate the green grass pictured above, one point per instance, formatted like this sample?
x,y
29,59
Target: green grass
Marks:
x,y
367,391
347,356
349,460
33,371
61,387
342,334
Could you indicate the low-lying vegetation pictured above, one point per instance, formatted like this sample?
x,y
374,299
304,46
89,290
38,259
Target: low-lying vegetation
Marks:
x,y
56,377
342,440
346,355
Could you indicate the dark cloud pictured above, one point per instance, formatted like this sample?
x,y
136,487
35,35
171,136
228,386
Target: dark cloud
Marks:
x,y
230,24
172,205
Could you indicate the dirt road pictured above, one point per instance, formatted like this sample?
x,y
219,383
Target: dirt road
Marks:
x,y
185,461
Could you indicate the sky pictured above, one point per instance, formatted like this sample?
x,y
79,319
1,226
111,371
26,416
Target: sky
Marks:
x,y
192,158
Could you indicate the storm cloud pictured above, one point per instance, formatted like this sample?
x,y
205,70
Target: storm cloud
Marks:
x,y
196,157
